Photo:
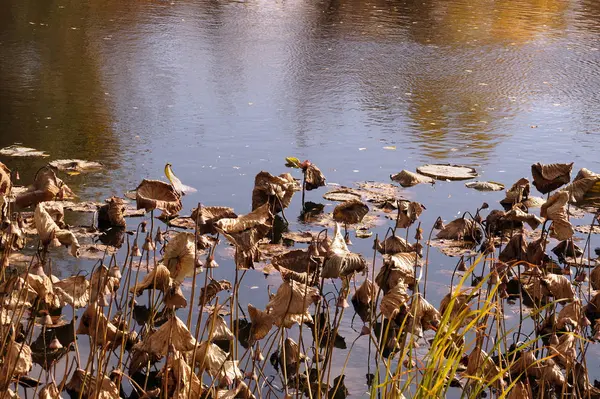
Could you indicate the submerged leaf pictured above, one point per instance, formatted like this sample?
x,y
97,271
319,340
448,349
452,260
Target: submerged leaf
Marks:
x,y
19,151
409,179
485,185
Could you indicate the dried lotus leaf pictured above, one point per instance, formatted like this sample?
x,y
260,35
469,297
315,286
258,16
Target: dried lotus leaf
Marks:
x,y
408,213
564,351
555,209
515,250
74,291
76,165
461,229
485,185
276,191
584,188
17,360
102,285
394,301
182,382
350,212
559,286
572,314
46,187
173,331
155,194
112,213
212,289
458,303
180,256
49,230
409,179
218,329
159,278
595,278
394,245
517,215
518,193
362,299
339,261
49,391
209,215
209,357
20,151
343,194
447,171
174,297
547,178
93,322
481,365
313,177
299,260
397,268
5,181
291,298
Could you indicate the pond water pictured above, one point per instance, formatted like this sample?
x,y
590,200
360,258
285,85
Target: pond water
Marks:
x,y
225,89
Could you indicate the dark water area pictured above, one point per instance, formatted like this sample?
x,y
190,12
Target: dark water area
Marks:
x,y
225,89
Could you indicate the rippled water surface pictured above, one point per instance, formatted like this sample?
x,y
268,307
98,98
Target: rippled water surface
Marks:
x,y
224,89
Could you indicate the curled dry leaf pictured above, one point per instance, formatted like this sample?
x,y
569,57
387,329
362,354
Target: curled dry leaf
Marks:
x,y
362,298
103,284
245,232
46,187
291,356
180,256
457,303
298,261
76,166
209,357
559,286
94,323
217,327
277,191
485,185
212,289
572,314
585,187
174,297
555,209
517,215
113,213
515,250
261,323
394,301
461,229
313,177
157,342
17,361
74,291
518,193
564,351
447,172
182,382
291,302
397,268
423,316
350,212
155,194
408,213
209,215
481,365
547,178
5,181
409,179
393,245
49,391
339,261
49,230
159,278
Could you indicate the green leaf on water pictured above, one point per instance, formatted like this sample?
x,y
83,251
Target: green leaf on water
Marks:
x,y
293,162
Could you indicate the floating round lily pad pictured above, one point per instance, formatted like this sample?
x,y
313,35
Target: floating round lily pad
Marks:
x,y
485,185
76,166
447,171
342,194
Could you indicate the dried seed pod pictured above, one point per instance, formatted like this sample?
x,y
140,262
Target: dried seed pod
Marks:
x,y
135,250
